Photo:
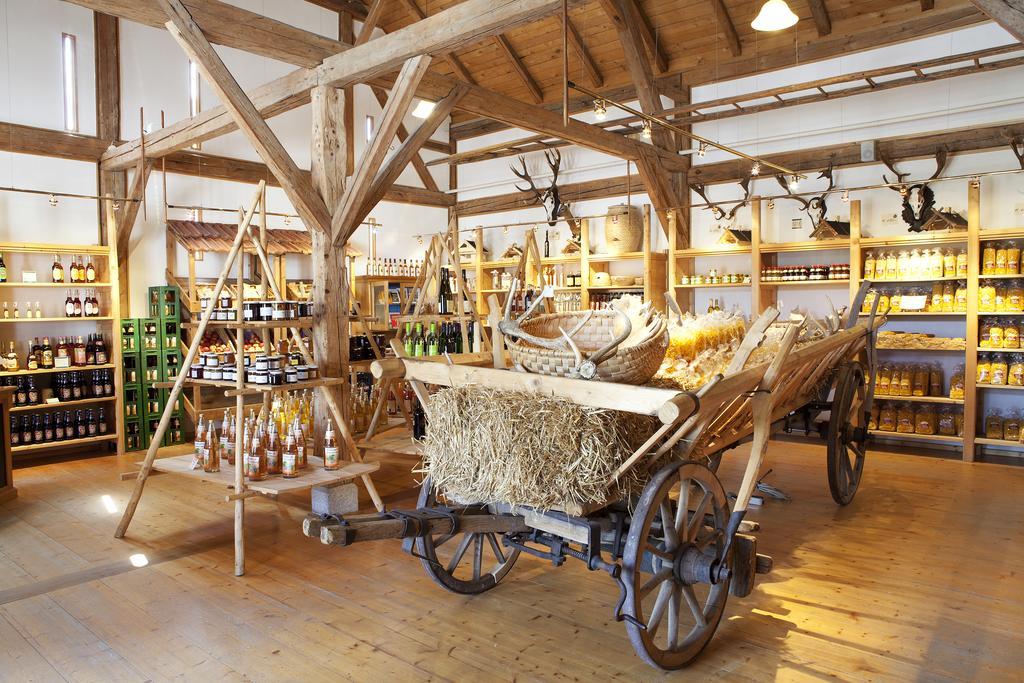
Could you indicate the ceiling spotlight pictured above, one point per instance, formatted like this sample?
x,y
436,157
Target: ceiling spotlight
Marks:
x,y
846,195
645,132
794,184
419,239
53,200
423,109
504,230
771,204
600,110
755,168
703,149
117,206
287,220
193,214
775,15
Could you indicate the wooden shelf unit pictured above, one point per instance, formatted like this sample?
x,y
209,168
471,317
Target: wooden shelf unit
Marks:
x,y
104,259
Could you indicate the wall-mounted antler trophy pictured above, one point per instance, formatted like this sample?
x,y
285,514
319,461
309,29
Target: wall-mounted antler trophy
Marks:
x,y
816,207
551,198
919,211
716,209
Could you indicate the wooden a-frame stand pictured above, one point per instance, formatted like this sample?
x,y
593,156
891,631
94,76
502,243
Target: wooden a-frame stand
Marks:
x,y
239,389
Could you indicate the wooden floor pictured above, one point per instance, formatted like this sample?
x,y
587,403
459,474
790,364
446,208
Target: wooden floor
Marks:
x,y
919,579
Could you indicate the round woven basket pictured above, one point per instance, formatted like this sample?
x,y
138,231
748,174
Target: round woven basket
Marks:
x,y
634,364
623,229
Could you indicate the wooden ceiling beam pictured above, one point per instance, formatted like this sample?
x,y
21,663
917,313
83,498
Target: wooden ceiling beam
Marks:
x,y
927,5
416,160
370,22
822,21
586,60
520,69
353,8
732,38
1007,13
130,211
409,151
650,38
225,24
300,191
457,66
347,215
441,33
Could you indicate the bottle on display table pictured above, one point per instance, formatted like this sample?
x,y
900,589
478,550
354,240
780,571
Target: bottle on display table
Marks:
x,y
431,344
256,460
211,452
419,343
408,343
444,293
332,457
290,458
57,270
199,442
273,449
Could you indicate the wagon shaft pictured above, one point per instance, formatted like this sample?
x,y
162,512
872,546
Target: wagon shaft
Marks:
x,y
337,530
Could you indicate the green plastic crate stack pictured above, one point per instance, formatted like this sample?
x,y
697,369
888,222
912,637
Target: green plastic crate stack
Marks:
x,y
165,303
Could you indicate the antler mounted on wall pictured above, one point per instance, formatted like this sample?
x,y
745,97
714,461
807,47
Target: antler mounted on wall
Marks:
x,y
1017,146
716,209
918,198
815,207
550,198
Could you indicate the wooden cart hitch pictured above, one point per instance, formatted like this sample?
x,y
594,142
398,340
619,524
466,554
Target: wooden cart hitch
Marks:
x,y
409,524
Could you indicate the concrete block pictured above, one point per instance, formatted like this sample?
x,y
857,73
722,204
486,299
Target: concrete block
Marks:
x,y
337,499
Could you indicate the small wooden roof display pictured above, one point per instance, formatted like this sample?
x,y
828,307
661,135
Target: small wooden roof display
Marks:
x,y
218,237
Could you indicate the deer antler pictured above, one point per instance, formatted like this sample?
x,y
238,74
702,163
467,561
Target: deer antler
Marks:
x,y
899,176
525,175
830,173
554,158
701,190
941,158
745,184
1017,145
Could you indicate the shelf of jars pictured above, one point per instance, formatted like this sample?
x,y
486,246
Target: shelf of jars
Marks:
x,y
63,359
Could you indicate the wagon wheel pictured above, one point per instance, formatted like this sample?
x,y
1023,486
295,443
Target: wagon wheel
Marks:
x,y
670,557
465,563
847,433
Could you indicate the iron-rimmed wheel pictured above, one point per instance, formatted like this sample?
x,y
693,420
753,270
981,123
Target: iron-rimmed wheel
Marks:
x,y
675,587
464,563
847,433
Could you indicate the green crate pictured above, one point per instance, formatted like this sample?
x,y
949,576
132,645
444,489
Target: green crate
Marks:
x,y
130,335
170,365
165,303
131,369
165,394
150,367
170,335
134,434
133,402
149,332
152,402
175,430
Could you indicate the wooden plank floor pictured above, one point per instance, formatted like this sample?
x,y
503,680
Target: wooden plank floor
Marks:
x,y
919,579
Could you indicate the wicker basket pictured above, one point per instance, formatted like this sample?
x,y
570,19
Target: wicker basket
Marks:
x,y
623,229
634,364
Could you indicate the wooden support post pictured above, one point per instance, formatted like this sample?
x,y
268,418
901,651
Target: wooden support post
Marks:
x,y
240,401
973,273
193,349
113,265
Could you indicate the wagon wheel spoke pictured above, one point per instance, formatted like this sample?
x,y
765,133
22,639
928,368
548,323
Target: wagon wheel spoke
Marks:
x,y
662,575
663,554
658,611
459,552
684,503
478,555
697,521
441,540
668,524
694,604
673,617
496,547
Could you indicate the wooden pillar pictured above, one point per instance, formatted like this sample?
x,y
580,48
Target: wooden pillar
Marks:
x,y
347,35
107,51
330,283
971,394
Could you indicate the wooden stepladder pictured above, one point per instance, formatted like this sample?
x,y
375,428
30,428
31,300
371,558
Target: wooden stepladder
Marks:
x,y
239,389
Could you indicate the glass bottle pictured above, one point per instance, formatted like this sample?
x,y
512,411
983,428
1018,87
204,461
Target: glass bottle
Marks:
x,y
290,458
300,444
273,450
73,270
57,270
101,422
332,459
3,269
256,461
69,306
32,359
11,364
90,271
77,305
211,453
46,360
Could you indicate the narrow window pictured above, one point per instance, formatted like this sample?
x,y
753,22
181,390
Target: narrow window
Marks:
x,y
369,128
69,64
193,94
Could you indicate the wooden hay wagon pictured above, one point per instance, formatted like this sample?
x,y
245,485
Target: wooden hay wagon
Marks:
x,y
679,549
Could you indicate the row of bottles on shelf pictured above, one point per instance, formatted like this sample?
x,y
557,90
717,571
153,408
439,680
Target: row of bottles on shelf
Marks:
x,y
68,352
1001,369
360,348
1001,258
133,432
66,386
74,307
915,264
436,342
58,426
714,277
813,273
393,267
923,419
1005,426
78,271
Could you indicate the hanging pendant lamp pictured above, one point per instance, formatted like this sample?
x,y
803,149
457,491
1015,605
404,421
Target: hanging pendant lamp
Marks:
x,y
775,15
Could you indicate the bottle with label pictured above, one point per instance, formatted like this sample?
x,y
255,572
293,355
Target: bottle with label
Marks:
x,y
78,356
419,345
256,461
91,427
90,271
419,422
211,452
273,450
101,422
46,359
3,269
17,312
410,349
101,350
224,434
69,306
547,245
432,348
11,359
200,440
7,311
444,294
290,459
73,270
332,457
78,305
58,427
300,444
39,311
37,429
57,270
